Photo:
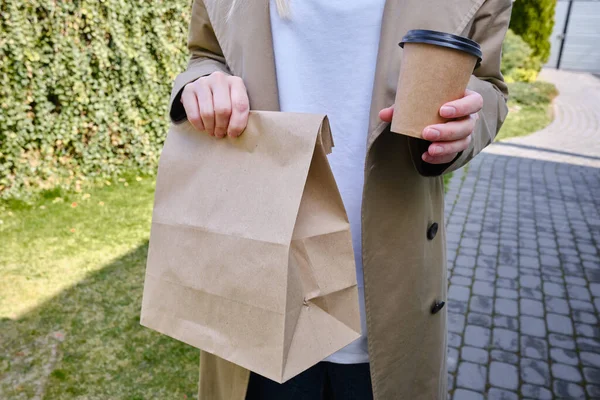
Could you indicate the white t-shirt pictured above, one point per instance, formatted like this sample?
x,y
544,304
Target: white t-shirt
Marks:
x,y
325,58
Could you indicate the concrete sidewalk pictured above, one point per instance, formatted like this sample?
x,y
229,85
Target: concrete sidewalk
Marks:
x,y
524,259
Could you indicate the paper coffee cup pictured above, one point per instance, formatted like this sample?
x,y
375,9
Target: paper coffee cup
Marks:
x,y
436,68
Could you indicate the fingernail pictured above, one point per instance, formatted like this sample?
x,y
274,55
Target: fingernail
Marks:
x,y
437,149
432,134
448,111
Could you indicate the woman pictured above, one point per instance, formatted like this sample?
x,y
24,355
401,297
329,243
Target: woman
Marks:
x,y
341,57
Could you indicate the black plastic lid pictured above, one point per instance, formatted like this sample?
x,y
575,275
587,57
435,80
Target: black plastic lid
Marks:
x,y
444,39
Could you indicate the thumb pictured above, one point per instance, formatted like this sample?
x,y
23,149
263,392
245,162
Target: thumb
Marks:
x,y
386,114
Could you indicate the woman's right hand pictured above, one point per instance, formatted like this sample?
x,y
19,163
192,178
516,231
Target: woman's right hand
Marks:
x,y
217,104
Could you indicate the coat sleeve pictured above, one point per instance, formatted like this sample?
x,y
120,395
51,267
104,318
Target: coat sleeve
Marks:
x,y
489,28
206,57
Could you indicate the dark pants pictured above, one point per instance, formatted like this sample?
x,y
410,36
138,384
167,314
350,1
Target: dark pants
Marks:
x,y
324,381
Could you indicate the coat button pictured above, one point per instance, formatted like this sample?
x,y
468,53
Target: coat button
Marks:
x,y
432,231
437,306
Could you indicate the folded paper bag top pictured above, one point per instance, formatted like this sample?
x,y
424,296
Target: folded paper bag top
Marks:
x,y
250,254
436,68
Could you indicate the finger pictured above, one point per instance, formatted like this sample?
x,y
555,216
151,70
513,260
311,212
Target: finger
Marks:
x,y
222,103
451,130
387,114
207,111
192,109
471,103
438,149
240,107
448,158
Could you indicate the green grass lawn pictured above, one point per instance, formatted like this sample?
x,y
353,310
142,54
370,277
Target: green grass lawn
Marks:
x,y
529,109
72,268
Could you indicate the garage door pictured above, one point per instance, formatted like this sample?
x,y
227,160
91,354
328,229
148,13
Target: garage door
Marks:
x,y
576,36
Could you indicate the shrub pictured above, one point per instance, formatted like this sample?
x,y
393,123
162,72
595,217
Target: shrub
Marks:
x,y
518,62
533,20
532,94
84,86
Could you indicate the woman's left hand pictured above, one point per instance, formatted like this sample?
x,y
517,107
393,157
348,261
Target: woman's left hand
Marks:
x,y
452,137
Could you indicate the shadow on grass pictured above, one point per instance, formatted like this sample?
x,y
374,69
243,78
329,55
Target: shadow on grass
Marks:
x,y
86,342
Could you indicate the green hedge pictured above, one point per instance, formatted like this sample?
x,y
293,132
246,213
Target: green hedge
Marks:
x,y
84,86
518,62
533,20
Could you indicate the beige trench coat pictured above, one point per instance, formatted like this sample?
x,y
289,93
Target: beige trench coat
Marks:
x,y
404,255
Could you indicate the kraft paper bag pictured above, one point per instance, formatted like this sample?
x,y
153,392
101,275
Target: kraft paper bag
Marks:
x,y
250,252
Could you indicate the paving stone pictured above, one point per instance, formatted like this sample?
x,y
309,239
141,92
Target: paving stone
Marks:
x,y
531,293
574,280
456,322
587,330
532,307
468,272
536,392
595,289
503,321
554,289
485,261
465,261
561,341
592,375
474,354
461,280
579,293
566,372
508,272
477,336
452,360
588,344
534,347
557,305
454,339
564,356
584,317
559,324
505,339
507,293
504,375
581,305
530,281
506,283
504,356
552,277
485,274
532,326
481,304
483,288
471,376
479,319
529,262
549,261
459,293
568,390
593,391
462,394
459,307
500,394
507,307
590,359
535,372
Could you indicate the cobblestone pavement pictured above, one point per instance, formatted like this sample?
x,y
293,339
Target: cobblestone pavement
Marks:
x,y
524,259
